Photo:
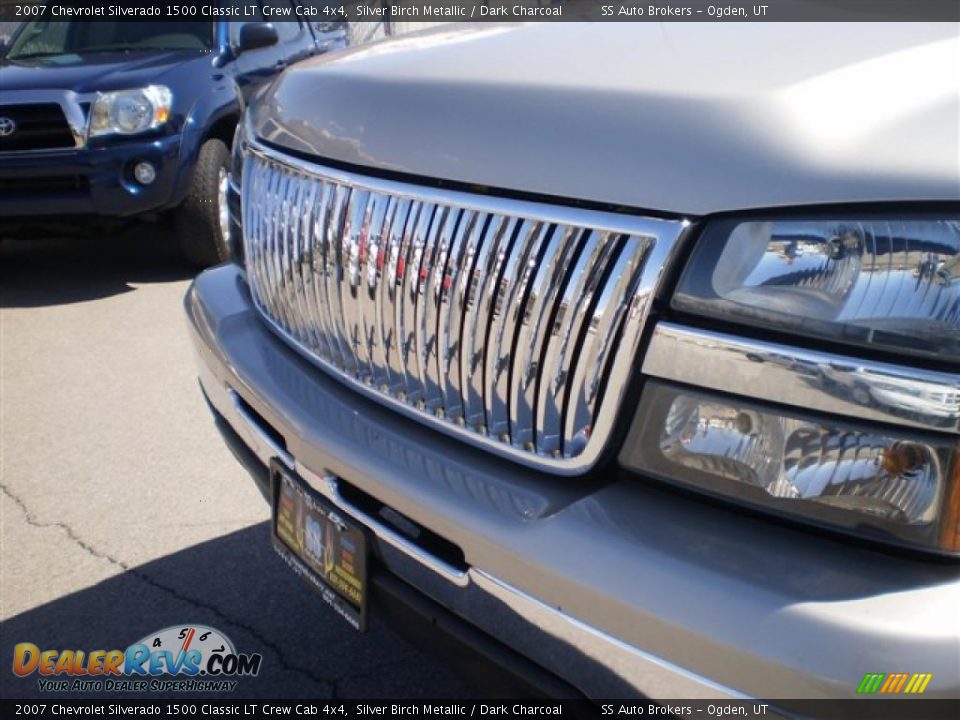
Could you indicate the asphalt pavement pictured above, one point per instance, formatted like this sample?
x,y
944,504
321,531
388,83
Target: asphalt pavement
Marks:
x,y
122,511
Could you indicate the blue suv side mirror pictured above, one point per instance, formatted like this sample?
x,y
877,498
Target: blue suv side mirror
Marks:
x,y
256,35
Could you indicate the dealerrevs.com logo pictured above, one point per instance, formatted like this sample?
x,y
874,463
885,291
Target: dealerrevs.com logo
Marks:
x,y
187,658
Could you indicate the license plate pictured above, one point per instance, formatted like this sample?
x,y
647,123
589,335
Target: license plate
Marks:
x,y
322,545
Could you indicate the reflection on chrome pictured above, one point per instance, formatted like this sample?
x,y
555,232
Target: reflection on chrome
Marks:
x,y
878,282
895,394
795,459
805,378
795,266
491,319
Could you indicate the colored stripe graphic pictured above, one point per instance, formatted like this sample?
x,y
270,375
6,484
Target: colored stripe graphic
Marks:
x,y
890,682
914,682
894,683
870,683
901,681
918,683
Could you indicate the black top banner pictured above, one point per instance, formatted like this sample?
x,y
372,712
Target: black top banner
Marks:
x,y
482,10
187,706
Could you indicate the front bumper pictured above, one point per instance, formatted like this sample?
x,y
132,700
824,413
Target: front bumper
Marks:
x,y
96,180
618,588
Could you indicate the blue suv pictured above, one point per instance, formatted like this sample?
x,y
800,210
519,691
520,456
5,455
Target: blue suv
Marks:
x,y
122,119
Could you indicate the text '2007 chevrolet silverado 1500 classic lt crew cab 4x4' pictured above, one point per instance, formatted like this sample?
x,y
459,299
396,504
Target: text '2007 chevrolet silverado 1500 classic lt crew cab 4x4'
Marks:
x,y
107,120
633,348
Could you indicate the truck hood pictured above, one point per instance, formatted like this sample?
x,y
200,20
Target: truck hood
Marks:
x,y
685,118
96,71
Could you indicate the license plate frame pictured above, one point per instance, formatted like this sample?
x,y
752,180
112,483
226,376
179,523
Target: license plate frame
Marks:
x,y
322,544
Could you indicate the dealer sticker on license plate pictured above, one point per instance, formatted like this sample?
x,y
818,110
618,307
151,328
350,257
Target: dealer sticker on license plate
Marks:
x,y
321,544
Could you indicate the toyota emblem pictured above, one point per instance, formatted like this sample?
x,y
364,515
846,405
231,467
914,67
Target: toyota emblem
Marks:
x,y
7,127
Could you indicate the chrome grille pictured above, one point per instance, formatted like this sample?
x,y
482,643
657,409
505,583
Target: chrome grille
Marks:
x,y
511,324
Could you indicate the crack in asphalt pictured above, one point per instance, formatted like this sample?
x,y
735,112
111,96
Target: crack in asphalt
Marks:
x,y
371,671
331,684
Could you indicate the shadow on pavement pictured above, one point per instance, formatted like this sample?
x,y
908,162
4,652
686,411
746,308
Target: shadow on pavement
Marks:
x,y
94,264
237,585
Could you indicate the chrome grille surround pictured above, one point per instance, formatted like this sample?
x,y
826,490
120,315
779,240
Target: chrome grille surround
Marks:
x,y
467,312
73,106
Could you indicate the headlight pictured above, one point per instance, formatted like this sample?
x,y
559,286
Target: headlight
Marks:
x,y
879,483
128,112
892,284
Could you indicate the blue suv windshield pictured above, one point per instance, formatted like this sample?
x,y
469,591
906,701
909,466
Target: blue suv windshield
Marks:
x,y
48,39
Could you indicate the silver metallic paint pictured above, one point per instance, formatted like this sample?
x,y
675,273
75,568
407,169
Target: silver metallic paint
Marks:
x,y
689,592
687,118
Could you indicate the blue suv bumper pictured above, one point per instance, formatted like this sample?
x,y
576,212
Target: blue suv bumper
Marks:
x,y
97,180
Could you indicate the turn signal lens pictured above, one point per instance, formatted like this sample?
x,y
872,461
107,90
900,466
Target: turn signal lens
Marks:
x,y
950,536
889,283
872,482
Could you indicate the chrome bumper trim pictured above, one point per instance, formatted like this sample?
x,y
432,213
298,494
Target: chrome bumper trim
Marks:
x,y
572,649
805,378
230,406
327,485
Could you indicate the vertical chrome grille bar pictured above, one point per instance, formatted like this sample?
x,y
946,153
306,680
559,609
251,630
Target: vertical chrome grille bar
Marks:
x,y
319,264
268,296
423,335
342,243
257,246
308,265
252,173
445,225
333,272
496,250
533,332
507,309
403,322
273,256
296,261
601,330
452,301
508,323
552,383
297,286
352,241
483,244
370,272
388,298
411,292
283,218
